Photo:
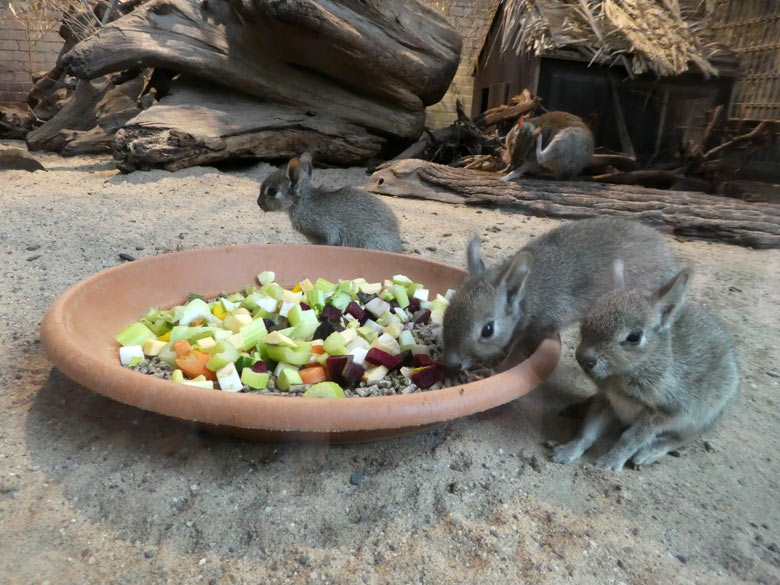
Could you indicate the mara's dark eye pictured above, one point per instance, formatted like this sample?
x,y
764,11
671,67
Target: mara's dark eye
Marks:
x,y
272,191
487,330
634,337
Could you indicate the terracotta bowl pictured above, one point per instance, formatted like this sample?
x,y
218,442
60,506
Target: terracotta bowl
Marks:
x,y
79,327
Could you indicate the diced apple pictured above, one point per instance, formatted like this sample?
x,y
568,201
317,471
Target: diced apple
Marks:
x,y
377,306
207,384
236,321
421,294
357,342
236,340
393,330
128,353
371,288
152,347
228,378
205,343
306,285
373,375
437,316
387,343
277,338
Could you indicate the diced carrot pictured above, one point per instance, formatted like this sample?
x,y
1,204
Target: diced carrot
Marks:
x,y
194,364
313,375
182,347
198,322
318,349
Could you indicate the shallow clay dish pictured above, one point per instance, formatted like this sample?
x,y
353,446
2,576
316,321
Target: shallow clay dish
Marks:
x,y
79,327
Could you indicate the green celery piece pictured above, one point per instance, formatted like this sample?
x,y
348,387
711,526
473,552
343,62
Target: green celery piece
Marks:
x,y
384,319
324,390
191,333
236,298
412,288
225,354
350,287
340,300
135,360
334,344
324,285
296,316
193,310
367,333
296,357
402,279
167,355
255,380
288,377
273,290
192,296
244,361
135,334
263,314
387,295
399,292
303,331
249,304
177,376
252,333
266,277
315,299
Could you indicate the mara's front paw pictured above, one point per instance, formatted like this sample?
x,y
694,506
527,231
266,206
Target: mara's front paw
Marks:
x,y
506,178
610,462
567,453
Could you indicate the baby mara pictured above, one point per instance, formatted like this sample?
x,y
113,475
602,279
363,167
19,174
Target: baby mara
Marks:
x,y
568,275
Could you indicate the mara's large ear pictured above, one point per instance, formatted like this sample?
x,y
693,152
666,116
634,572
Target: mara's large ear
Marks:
x,y
513,276
670,298
299,168
617,275
475,263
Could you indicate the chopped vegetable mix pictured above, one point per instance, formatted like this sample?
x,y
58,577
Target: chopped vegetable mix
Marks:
x,y
318,338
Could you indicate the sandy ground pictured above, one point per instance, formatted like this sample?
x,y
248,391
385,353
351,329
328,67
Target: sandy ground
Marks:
x,y
92,491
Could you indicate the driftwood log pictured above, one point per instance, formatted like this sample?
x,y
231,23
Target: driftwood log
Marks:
x,y
15,121
196,125
688,214
375,64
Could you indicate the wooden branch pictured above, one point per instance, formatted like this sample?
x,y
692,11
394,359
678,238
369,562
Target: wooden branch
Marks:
x,y
196,125
689,214
518,106
757,132
619,161
620,121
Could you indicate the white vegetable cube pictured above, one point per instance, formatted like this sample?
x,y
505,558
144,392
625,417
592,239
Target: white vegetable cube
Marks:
x,y
349,335
377,306
437,316
241,311
406,340
371,288
284,310
374,325
406,372
128,352
265,302
373,375
236,322
205,343
358,342
222,334
152,346
359,355
401,314
228,379
421,294
348,318
229,306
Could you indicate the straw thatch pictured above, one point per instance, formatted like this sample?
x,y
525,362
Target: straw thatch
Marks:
x,y
665,37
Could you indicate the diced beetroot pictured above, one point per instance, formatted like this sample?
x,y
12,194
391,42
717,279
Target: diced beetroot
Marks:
x,y
405,358
355,310
428,376
423,318
304,306
268,323
394,305
352,373
364,298
335,365
366,316
330,313
326,328
382,358
414,305
260,367
421,360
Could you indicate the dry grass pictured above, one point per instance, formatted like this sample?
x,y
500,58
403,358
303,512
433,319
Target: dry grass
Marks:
x,y
665,37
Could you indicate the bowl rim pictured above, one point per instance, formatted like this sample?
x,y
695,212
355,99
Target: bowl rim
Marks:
x,y
278,413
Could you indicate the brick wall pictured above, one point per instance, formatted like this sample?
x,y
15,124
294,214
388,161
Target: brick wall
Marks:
x,y
26,47
472,19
